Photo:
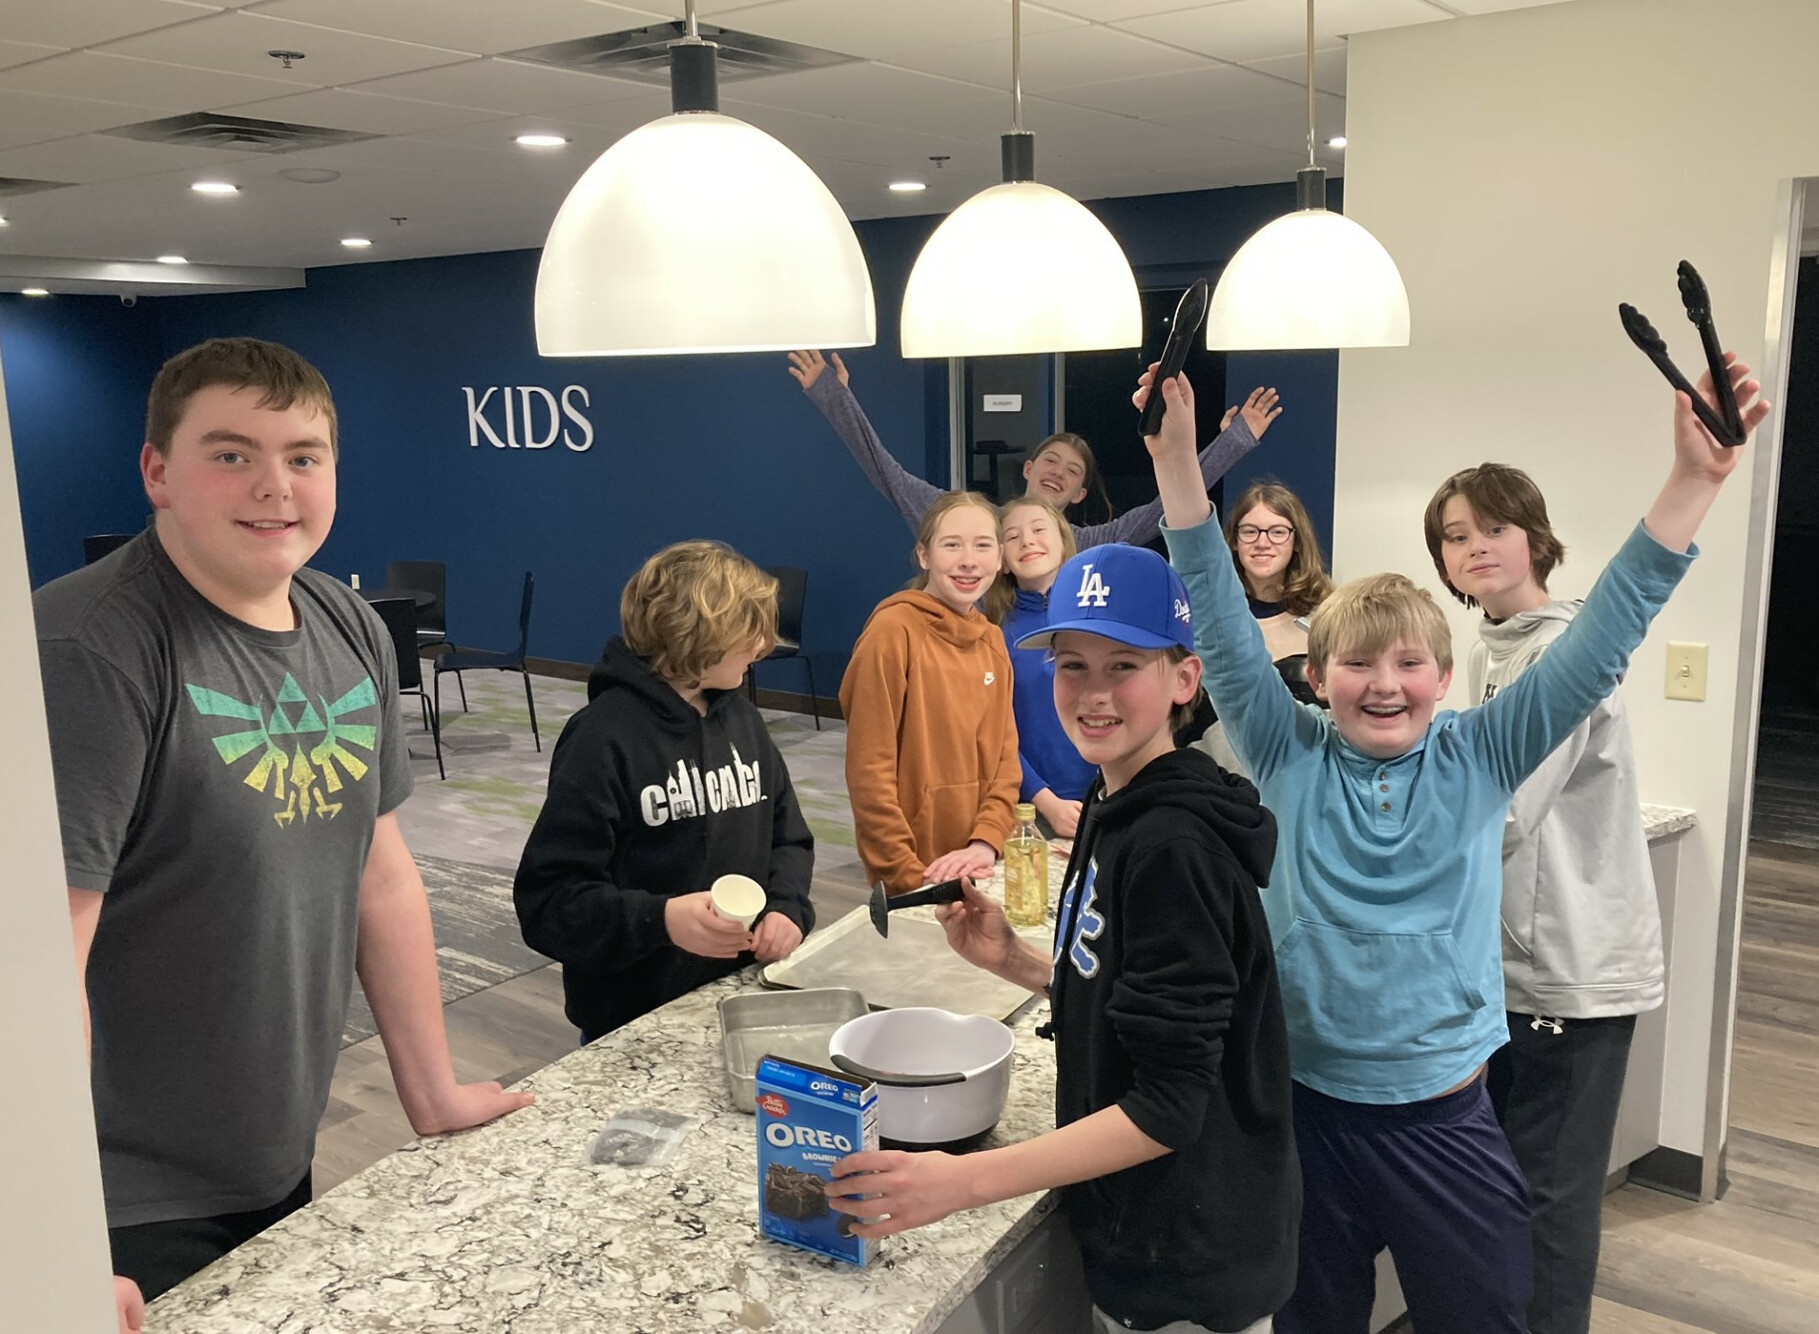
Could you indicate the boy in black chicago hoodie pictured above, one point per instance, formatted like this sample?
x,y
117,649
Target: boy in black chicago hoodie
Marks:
x,y
1174,1149
666,781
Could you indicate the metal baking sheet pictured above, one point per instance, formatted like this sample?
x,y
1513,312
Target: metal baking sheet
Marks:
x,y
914,966
795,1025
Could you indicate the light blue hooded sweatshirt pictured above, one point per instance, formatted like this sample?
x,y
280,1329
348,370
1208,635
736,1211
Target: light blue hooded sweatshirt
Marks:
x,y
1384,898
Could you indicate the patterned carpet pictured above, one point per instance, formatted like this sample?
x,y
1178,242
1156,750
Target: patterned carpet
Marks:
x,y
477,942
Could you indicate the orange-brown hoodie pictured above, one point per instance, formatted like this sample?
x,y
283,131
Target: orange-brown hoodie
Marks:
x,y
931,746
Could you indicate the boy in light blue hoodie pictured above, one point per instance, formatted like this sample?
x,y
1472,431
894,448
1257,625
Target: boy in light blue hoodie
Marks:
x,y
1388,879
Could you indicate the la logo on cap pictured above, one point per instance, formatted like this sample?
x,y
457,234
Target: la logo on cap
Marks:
x,y
1093,589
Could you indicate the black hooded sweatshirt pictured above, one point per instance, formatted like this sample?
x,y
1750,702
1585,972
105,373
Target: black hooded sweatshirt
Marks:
x,y
1165,1004
649,800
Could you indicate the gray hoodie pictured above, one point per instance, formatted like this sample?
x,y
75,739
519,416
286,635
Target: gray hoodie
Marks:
x,y
1581,930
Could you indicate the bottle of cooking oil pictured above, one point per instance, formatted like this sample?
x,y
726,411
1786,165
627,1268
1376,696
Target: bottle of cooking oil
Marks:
x,y
1026,871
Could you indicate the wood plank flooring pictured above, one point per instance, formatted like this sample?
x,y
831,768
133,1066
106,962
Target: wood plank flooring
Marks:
x,y
1748,1264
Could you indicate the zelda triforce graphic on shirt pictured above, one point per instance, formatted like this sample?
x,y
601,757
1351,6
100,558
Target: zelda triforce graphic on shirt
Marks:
x,y
298,745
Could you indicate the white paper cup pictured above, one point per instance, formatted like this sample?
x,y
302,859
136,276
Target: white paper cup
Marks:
x,y
738,898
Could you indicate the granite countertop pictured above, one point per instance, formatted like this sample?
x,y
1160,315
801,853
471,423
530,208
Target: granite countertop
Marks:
x,y
1660,821
511,1229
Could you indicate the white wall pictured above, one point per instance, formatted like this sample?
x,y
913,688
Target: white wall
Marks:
x,y
53,1237
1529,170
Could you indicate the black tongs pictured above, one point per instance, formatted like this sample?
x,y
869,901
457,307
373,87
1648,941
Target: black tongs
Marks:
x,y
1726,424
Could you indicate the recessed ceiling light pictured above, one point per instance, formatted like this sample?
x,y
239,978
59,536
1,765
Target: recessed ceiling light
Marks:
x,y
908,187
33,291
310,175
540,141
355,242
172,259
215,188
5,223
1337,141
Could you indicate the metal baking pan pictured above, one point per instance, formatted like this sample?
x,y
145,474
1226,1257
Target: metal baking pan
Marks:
x,y
795,1025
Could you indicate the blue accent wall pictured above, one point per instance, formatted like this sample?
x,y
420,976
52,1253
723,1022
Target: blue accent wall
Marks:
x,y
722,447
77,369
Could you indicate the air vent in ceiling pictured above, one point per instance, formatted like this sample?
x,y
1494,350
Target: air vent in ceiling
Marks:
x,y
213,129
643,54
20,185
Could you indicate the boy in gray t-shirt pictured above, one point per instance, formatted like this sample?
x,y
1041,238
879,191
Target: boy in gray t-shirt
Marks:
x,y
229,758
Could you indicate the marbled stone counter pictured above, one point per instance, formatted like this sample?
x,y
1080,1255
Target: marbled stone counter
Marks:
x,y
1660,821
511,1229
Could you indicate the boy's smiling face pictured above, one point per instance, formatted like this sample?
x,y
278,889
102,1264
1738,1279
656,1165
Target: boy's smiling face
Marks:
x,y
1382,703
1114,701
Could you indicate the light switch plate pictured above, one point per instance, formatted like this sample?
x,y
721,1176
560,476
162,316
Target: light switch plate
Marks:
x,y
1686,671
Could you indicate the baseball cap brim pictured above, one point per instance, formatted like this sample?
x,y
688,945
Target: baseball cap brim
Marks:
x,y
1116,631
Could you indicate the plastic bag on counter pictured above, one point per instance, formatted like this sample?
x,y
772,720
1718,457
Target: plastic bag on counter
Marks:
x,y
642,1137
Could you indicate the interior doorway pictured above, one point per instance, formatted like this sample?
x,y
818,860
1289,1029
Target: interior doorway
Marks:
x,y
1774,1082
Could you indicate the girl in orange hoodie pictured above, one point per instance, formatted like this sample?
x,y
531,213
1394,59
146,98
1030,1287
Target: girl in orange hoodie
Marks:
x,y
931,745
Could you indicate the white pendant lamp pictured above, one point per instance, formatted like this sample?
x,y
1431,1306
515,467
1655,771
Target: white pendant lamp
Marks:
x,y
1311,278
1020,267
700,233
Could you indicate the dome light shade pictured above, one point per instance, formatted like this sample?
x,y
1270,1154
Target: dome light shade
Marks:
x,y
701,233
1309,279
1020,267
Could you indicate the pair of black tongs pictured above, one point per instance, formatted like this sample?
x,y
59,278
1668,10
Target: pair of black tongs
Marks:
x,y
1726,424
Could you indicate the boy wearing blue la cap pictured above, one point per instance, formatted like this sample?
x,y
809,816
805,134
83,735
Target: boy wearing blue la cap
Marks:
x,y
1174,1150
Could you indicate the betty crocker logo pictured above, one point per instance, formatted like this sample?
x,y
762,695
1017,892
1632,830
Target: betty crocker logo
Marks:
x,y
775,1104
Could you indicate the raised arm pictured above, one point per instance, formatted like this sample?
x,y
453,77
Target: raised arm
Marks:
x,y
1239,433
910,494
1524,723
1264,723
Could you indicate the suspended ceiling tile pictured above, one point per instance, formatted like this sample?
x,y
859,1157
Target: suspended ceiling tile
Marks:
x,y
811,135
22,53
55,117
1246,30
622,115
1279,126
1475,7
485,28
1329,69
235,42
1208,87
345,109
585,142
877,93
1055,60
887,29
101,157
87,22
89,74
513,87
1111,11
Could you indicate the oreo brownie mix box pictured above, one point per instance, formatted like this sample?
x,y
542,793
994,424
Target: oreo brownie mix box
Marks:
x,y
809,1119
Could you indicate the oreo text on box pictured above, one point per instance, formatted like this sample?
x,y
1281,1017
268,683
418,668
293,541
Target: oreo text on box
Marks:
x,y
809,1119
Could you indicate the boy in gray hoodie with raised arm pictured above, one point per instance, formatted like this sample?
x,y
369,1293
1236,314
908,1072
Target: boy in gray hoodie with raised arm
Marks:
x,y
1581,930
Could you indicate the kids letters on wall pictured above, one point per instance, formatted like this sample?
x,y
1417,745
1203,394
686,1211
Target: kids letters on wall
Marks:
x,y
527,416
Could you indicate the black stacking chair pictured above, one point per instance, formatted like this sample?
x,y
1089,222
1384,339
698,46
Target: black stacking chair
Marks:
x,y
425,576
460,660
792,589
400,617
101,544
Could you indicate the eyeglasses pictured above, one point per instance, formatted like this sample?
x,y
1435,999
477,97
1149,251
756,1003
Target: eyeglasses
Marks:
x,y
1250,532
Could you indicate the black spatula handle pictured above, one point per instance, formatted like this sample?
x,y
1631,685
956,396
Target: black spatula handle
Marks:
x,y
948,891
